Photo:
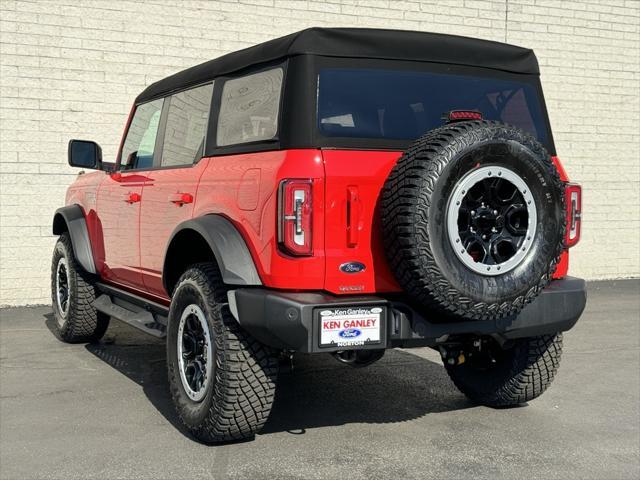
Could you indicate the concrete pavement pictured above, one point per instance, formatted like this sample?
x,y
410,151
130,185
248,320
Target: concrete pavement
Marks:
x,y
103,411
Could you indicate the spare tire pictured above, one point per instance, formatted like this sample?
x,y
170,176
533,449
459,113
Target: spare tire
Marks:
x,y
473,218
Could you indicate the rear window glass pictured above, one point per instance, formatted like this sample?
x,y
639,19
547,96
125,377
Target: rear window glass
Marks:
x,y
249,108
402,105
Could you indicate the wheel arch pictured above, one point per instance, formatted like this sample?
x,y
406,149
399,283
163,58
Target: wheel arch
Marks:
x,y
206,238
71,219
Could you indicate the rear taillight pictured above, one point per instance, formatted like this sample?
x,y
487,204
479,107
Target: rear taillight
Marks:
x,y
294,217
573,195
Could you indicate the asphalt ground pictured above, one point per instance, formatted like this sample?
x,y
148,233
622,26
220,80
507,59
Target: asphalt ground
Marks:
x,y
103,411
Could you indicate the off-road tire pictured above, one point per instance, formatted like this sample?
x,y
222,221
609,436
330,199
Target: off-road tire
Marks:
x,y
413,207
82,322
240,395
523,373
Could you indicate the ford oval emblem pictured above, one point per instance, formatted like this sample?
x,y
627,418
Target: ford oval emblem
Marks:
x,y
352,267
350,333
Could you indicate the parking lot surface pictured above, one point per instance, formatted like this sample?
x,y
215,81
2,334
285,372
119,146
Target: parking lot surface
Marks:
x,y
103,411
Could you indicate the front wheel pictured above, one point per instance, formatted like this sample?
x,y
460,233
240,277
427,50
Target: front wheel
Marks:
x,y
502,377
222,380
72,293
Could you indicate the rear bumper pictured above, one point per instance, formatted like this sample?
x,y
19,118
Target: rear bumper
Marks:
x,y
291,320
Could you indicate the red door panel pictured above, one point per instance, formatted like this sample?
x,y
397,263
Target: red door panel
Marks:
x,y
168,199
118,209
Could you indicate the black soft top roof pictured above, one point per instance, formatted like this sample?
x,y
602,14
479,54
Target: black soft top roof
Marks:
x,y
357,43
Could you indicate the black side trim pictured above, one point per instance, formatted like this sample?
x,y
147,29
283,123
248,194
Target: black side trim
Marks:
x,y
145,315
71,218
228,247
137,318
144,303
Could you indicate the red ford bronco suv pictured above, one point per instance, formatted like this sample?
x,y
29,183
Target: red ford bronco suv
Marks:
x,y
337,191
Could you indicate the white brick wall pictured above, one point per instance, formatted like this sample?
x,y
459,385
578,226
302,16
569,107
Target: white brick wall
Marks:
x,y
70,69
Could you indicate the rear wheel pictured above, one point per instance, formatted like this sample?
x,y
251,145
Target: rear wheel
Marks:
x,y
500,377
72,293
222,380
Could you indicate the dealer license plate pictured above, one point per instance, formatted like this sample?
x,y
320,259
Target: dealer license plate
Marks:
x,y
350,326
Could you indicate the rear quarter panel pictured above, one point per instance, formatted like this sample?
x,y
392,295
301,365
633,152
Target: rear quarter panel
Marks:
x,y
244,189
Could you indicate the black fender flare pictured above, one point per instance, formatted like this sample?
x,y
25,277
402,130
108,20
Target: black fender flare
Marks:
x,y
228,247
71,218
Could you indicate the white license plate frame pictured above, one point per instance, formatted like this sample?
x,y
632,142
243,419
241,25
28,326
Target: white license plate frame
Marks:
x,y
351,327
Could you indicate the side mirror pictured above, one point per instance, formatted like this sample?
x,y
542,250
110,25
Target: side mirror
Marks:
x,y
85,154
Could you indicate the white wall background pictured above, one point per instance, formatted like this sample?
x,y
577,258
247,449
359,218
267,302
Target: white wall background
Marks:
x,y
71,68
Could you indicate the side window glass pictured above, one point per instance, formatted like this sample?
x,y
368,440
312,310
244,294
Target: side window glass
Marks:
x,y
249,108
187,117
138,148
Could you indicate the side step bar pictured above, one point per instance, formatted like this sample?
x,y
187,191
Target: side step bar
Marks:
x,y
145,315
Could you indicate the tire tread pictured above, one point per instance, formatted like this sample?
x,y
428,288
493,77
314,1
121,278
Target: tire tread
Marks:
x,y
84,323
532,368
245,373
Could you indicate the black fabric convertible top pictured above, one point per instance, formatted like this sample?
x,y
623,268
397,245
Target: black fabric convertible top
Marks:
x,y
357,43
